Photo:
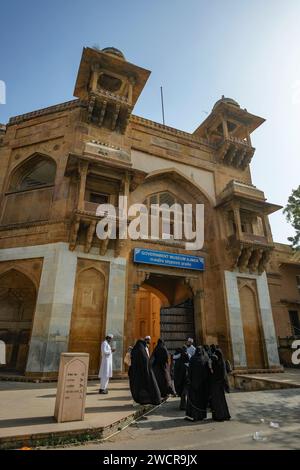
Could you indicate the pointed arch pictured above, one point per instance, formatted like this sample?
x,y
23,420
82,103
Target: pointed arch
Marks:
x,y
36,171
21,270
183,180
185,189
30,190
17,306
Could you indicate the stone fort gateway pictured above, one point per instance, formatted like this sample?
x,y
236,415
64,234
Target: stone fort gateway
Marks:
x,y
62,288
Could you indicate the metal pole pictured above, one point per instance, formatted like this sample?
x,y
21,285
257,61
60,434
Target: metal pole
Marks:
x,y
162,104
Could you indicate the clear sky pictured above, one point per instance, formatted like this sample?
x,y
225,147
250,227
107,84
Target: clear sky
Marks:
x,y
198,50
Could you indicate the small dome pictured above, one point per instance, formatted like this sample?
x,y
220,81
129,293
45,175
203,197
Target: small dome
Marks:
x,y
228,101
114,51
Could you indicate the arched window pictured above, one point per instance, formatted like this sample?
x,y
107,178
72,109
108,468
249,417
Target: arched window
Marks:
x,y
30,191
37,172
168,218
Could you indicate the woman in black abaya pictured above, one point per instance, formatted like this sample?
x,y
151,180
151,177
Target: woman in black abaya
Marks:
x,y
198,388
181,363
218,385
143,385
161,369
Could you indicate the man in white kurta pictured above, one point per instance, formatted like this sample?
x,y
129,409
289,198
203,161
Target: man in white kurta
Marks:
x,y
147,340
105,371
190,347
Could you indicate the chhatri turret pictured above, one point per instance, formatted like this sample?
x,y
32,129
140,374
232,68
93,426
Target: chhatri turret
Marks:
x,y
110,85
229,127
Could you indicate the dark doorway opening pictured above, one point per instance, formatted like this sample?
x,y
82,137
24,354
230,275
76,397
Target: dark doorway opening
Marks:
x,y
177,324
17,306
165,309
295,322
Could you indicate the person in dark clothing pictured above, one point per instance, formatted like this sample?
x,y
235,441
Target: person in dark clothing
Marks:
x,y
218,385
143,385
181,364
198,388
161,369
207,349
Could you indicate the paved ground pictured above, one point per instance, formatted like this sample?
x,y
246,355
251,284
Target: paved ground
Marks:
x,y
166,429
28,408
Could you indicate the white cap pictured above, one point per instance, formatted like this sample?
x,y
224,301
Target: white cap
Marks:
x,y
147,337
191,340
110,335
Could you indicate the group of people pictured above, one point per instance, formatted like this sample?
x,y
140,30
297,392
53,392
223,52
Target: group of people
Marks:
x,y
201,380
198,375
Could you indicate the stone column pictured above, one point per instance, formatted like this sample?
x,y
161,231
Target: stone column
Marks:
x,y
51,325
267,321
83,169
115,313
235,320
237,220
267,229
196,285
248,137
225,128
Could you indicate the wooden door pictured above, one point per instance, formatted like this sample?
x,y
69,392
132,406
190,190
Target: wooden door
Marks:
x,y
147,316
251,327
87,326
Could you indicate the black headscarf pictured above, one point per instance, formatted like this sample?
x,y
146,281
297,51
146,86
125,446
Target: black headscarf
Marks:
x,y
143,385
181,370
160,354
218,366
161,369
198,368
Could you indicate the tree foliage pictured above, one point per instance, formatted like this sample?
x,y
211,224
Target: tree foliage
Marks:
x,y
292,213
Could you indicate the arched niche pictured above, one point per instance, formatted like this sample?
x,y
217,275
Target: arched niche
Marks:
x,y
88,315
252,327
17,306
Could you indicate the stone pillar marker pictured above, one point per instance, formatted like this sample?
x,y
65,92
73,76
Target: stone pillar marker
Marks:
x,y
71,387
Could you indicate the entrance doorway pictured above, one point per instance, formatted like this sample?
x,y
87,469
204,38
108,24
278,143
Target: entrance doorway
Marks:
x,y
164,309
17,306
177,324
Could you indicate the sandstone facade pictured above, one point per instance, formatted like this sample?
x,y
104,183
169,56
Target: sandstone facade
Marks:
x,y
62,289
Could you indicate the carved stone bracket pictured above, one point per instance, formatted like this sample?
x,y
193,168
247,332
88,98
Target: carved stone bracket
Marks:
x,y
255,259
193,284
141,277
89,237
244,258
74,232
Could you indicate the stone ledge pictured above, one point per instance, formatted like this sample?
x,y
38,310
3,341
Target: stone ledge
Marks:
x,y
52,377
71,436
249,383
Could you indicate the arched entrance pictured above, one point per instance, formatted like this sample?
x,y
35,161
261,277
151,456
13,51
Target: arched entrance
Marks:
x,y
164,309
17,306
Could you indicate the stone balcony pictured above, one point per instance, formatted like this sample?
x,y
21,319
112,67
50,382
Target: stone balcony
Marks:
x,y
250,253
235,152
83,231
109,109
248,237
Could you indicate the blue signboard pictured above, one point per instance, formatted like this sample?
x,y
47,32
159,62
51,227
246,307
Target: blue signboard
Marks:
x,y
164,258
